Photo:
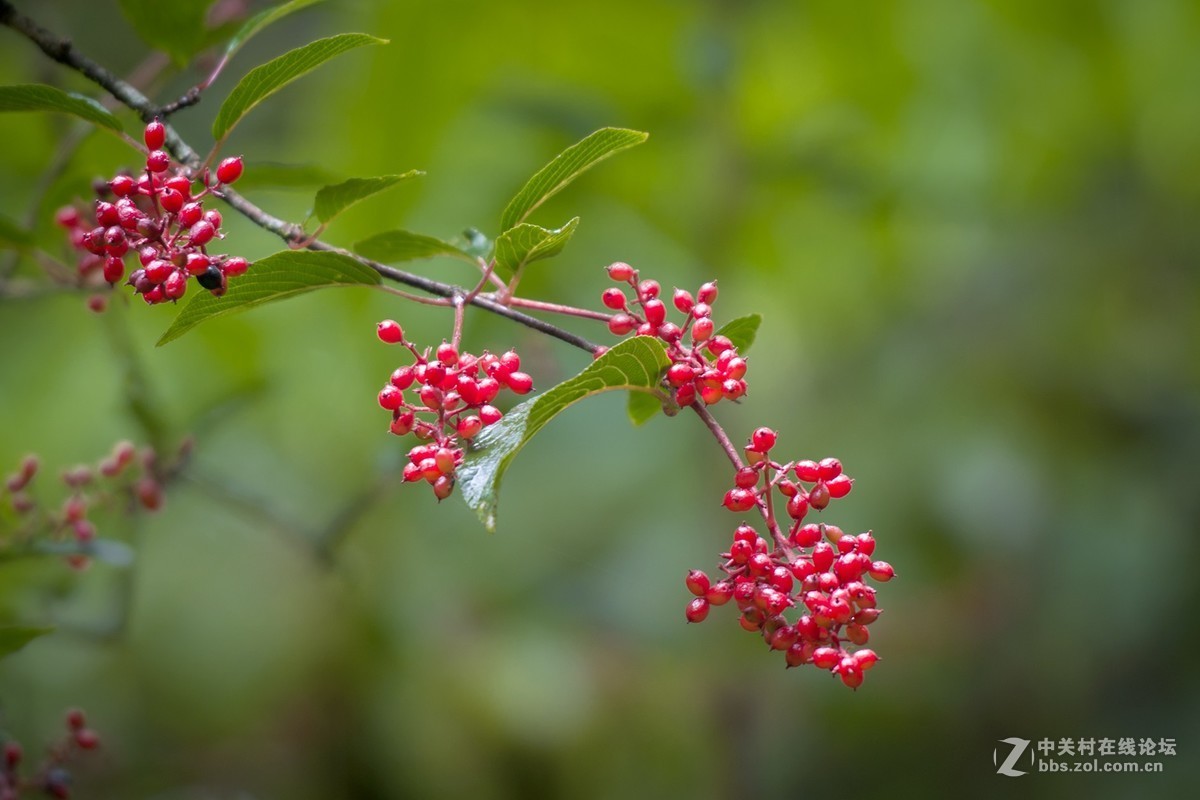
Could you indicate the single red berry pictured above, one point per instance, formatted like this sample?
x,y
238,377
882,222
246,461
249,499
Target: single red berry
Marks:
x,y
826,657
857,633
621,324
122,185
620,271
719,593
866,659
114,269
746,477
822,556
648,289
213,217
745,533
229,170
829,469
67,216
180,184
391,398
171,200
444,458
158,270
489,415
679,373
697,583
520,382
614,298
155,135
670,332
402,423
702,330
76,719
762,439
808,471
797,506
175,286
469,427
707,293
656,312
232,267
158,161
447,354
190,214
389,331
850,672
866,543
201,233
149,493
839,485
739,499
443,487
697,610
882,571
683,301
718,344
818,496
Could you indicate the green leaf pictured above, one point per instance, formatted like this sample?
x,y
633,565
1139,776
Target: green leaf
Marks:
x,y
13,235
391,247
263,81
14,637
635,363
276,277
273,175
174,26
566,167
524,243
333,200
642,407
39,97
262,20
741,331
473,242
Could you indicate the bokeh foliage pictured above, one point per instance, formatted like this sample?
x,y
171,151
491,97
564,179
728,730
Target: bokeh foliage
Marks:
x,y
970,229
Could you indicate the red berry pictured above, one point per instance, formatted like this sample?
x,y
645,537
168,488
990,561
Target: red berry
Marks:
x,y
447,354
829,469
213,217
850,672
87,739
806,535
489,415
155,135
391,398
648,289
229,170
520,382
175,286
158,161
701,310
76,719
707,293
621,324
762,439
839,485
797,506
114,269
12,753
620,271
679,373
443,487
180,184
822,556
613,298
201,233
808,471
122,185
866,543
697,583
402,423
702,330
882,571
746,477
818,496
866,659
469,427
683,301
190,214
826,657
697,610
389,331
739,499
235,266
656,312
158,270
149,493
720,593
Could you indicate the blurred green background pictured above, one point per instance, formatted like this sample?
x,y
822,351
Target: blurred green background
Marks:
x,y
971,229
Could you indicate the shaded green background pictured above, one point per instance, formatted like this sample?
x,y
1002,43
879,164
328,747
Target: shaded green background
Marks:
x,y
971,228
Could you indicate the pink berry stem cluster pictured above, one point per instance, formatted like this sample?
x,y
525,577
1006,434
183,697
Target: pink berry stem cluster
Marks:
x,y
704,364
814,567
453,399
122,480
52,778
160,218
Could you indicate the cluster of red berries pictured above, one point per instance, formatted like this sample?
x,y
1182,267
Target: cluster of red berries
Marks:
x,y
159,216
814,566
454,393
704,364
52,778
121,478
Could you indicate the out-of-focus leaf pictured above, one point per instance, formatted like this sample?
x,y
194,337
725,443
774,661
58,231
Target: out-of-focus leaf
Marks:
x,y
262,20
642,407
39,97
277,277
13,235
333,200
524,243
266,79
392,247
14,637
566,167
741,331
635,363
174,26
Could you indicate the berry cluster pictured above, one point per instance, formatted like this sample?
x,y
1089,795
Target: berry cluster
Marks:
x,y
816,566
705,366
159,216
122,479
52,778
454,394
